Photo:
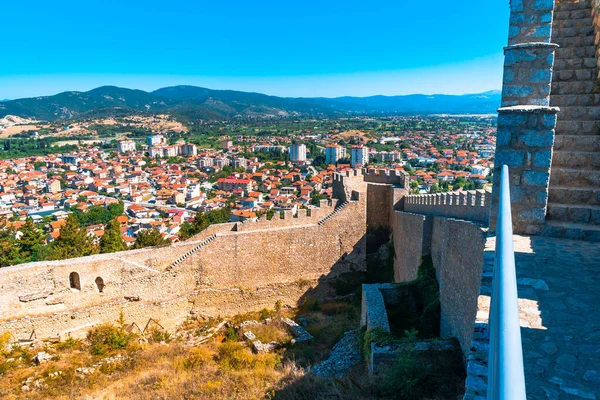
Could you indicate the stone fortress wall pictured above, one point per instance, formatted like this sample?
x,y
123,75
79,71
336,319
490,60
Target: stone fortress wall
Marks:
x,y
473,205
226,269
456,250
385,193
450,228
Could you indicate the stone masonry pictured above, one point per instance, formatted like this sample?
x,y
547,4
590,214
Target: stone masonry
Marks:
x,y
385,191
246,266
473,205
526,121
549,123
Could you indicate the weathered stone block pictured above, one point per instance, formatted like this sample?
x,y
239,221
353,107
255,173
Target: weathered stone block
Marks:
x,y
509,75
35,296
542,197
512,158
542,32
548,121
516,6
543,5
540,75
509,120
535,178
517,18
546,17
537,139
503,137
517,194
533,215
542,158
516,91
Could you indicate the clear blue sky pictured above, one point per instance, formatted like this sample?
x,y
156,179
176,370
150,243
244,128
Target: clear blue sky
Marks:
x,y
290,48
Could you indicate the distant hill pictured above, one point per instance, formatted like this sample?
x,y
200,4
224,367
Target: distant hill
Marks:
x,y
197,102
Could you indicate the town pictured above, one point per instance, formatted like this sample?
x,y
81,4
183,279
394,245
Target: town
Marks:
x,y
156,187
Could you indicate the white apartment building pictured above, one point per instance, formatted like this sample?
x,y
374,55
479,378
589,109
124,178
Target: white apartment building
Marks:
x,y
385,156
298,153
240,163
221,162
164,151
266,147
333,153
359,156
188,149
206,162
126,146
155,139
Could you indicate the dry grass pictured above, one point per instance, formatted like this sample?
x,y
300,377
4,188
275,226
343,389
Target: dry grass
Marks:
x,y
227,370
152,371
272,332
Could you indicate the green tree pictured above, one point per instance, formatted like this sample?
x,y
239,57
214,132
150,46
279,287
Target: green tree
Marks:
x,y
112,241
72,242
30,242
319,162
9,253
201,222
116,209
149,237
98,214
435,189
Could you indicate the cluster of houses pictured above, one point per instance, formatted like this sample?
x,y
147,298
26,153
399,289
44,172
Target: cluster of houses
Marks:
x,y
161,192
155,193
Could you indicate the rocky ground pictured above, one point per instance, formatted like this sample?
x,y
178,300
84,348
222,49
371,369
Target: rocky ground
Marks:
x,y
344,356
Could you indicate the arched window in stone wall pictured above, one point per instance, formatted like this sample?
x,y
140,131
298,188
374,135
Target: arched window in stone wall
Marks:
x,y
74,281
100,284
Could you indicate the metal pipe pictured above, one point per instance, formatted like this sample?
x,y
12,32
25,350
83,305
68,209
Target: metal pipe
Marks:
x,y
506,376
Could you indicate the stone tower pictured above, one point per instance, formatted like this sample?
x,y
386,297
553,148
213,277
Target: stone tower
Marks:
x,y
548,126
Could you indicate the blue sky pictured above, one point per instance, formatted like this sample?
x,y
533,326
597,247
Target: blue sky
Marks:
x,y
288,48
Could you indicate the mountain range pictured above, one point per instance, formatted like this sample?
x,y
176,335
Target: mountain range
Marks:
x,y
201,103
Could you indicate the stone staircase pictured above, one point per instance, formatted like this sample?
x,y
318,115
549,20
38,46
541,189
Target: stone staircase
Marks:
x,y
574,191
192,251
334,212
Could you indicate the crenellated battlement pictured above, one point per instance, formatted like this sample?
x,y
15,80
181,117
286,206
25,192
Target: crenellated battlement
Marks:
x,y
386,176
343,176
472,205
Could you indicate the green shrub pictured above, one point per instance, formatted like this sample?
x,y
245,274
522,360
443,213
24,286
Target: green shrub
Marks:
x,y
158,335
108,337
273,332
98,349
265,313
234,357
197,358
7,366
377,336
4,341
69,344
309,306
424,376
231,335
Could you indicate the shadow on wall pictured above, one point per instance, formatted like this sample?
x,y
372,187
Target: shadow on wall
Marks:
x,y
371,261
349,264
